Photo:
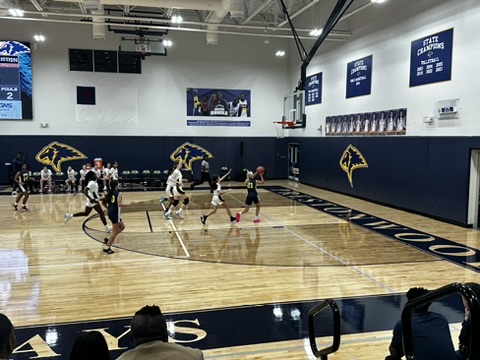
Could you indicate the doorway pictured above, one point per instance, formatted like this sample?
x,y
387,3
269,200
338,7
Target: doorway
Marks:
x,y
294,161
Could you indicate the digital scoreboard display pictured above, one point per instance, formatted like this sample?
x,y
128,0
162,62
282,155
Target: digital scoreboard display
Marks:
x,y
15,81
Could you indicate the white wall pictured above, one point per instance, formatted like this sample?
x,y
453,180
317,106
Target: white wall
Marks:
x,y
235,63
386,31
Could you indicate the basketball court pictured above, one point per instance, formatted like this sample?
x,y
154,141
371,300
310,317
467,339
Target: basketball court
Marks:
x,y
240,290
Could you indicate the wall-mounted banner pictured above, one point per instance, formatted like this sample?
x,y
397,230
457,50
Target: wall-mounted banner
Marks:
x,y
218,103
385,122
314,89
359,77
431,58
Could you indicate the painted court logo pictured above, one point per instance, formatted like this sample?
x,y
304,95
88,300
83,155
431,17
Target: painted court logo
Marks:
x,y
352,159
55,153
188,153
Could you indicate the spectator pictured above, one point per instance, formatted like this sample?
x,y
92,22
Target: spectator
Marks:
x,y
90,345
430,333
7,337
46,176
205,173
149,333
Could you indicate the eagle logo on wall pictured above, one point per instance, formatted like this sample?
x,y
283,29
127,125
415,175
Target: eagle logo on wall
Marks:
x,y
352,159
188,153
55,153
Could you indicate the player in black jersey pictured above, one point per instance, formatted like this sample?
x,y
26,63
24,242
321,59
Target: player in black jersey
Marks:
x,y
21,178
252,195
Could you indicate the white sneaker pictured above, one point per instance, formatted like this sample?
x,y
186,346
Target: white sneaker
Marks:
x,y
108,229
67,217
168,214
179,213
162,200
14,193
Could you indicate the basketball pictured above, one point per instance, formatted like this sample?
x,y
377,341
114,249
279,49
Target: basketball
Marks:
x,y
260,170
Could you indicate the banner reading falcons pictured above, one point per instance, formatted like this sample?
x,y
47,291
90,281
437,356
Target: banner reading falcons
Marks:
x,y
218,103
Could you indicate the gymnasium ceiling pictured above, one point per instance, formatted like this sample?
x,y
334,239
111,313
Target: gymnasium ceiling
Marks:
x,y
264,18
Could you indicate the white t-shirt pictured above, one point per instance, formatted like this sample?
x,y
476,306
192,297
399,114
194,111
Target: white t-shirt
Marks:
x,y
46,173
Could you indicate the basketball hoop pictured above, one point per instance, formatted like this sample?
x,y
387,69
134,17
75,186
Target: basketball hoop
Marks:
x,y
280,127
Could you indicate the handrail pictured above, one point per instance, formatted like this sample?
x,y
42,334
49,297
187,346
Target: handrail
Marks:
x,y
473,305
323,353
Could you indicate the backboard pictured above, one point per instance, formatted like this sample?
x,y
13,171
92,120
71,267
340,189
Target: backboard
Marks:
x,y
294,108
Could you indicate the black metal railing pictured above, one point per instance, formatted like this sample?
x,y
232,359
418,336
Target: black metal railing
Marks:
x,y
323,353
435,295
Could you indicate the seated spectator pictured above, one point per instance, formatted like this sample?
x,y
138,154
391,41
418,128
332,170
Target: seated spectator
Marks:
x,y
149,333
90,345
430,334
463,351
46,176
7,337
71,181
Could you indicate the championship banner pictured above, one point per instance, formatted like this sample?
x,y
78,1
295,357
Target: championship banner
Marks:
x,y
359,77
314,89
218,103
431,58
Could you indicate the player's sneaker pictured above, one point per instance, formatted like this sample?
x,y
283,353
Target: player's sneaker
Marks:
x,y
162,200
238,216
203,219
233,219
108,229
168,214
24,208
15,207
108,251
14,193
257,220
67,217
179,213
105,241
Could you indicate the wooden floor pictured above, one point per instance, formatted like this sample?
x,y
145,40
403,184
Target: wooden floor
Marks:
x,y
295,253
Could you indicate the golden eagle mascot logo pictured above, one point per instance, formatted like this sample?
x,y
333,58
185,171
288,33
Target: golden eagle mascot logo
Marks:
x,y
55,153
188,153
352,159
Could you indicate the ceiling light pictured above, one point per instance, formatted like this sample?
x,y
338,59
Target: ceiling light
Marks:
x,y
177,19
167,43
16,12
266,41
316,32
280,53
377,1
39,38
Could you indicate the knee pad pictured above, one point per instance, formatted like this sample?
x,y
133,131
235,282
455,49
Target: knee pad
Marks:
x,y
175,202
186,201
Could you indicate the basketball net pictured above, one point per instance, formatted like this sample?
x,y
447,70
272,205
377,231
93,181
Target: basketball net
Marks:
x,y
279,129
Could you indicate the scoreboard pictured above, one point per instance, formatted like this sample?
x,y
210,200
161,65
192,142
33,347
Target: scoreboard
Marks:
x,y
15,81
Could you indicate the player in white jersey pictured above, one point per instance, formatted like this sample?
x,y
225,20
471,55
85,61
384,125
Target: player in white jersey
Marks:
x,y
243,106
216,189
391,122
91,193
71,181
373,125
381,122
175,192
46,176
401,125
